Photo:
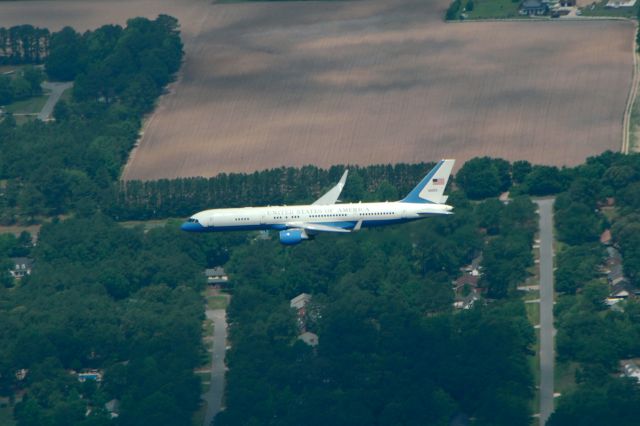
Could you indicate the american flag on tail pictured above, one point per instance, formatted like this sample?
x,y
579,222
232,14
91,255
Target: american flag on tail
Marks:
x,y
438,181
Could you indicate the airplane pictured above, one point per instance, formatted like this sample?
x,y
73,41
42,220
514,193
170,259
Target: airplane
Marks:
x,y
303,222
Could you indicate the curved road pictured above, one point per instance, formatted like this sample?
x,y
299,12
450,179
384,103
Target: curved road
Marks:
x,y
547,332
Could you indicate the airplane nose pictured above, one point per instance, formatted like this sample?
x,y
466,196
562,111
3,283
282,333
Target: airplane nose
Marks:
x,y
192,227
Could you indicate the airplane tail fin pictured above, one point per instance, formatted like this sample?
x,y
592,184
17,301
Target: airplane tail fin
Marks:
x,y
431,187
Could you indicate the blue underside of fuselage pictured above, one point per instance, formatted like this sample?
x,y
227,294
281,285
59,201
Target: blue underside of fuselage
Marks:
x,y
196,227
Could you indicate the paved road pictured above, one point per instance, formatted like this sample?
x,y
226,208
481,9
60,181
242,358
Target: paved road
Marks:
x,y
216,390
56,92
547,354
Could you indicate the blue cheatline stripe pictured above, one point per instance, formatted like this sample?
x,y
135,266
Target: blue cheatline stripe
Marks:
x,y
414,195
281,227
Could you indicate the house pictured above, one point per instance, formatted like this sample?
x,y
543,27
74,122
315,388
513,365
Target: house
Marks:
x,y
621,290
615,275
113,407
474,267
216,276
605,237
309,338
504,197
533,8
466,280
466,302
613,257
22,266
93,375
631,369
300,302
615,4
22,374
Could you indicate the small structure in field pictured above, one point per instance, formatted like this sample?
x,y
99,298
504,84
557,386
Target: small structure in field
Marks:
x,y
300,302
22,266
309,338
616,4
533,8
94,375
216,276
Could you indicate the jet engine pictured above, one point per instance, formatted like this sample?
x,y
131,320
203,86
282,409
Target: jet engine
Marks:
x,y
290,237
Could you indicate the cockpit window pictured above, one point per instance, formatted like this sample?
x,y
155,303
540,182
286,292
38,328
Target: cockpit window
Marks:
x,y
192,220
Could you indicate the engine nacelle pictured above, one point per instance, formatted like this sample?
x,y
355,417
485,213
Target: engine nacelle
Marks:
x,y
290,237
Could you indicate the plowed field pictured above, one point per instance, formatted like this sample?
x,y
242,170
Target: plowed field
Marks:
x,y
292,83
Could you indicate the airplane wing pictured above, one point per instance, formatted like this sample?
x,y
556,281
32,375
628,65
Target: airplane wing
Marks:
x,y
317,227
332,195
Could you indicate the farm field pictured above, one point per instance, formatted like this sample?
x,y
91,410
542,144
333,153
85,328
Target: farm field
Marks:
x,y
271,84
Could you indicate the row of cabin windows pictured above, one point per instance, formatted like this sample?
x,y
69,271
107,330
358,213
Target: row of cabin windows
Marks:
x,y
241,219
328,215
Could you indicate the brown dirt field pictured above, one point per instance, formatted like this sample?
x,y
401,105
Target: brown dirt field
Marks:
x,y
293,83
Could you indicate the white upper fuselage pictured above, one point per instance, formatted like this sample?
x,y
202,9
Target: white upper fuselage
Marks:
x,y
344,216
298,223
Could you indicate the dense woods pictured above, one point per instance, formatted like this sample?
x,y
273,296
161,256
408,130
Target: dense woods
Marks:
x,y
589,332
72,164
109,298
391,350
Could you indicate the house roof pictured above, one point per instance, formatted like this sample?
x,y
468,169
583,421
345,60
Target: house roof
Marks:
x,y
532,4
300,300
218,271
22,261
605,237
467,279
309,338
613,253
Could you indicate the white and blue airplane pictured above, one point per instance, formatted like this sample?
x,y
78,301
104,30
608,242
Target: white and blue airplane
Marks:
x,y
299,223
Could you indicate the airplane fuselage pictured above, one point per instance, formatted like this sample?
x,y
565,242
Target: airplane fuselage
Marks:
x,y
299,223
344,216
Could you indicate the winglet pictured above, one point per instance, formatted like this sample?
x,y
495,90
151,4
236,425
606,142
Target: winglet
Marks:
x,y
358,226
332,195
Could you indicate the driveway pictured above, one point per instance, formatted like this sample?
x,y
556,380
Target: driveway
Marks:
x,y
54,97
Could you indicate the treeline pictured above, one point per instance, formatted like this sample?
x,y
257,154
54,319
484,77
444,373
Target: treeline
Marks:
x,y
123,301
23,44
73,163
479,178
183,196
390,350
589,333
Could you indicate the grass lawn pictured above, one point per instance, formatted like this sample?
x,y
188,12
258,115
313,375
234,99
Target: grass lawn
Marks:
x,y
534,363
28,106
150,224
492,9
66,95
207,327
533,312
198,416
565,376
6,416
217,302
23,119
600,10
